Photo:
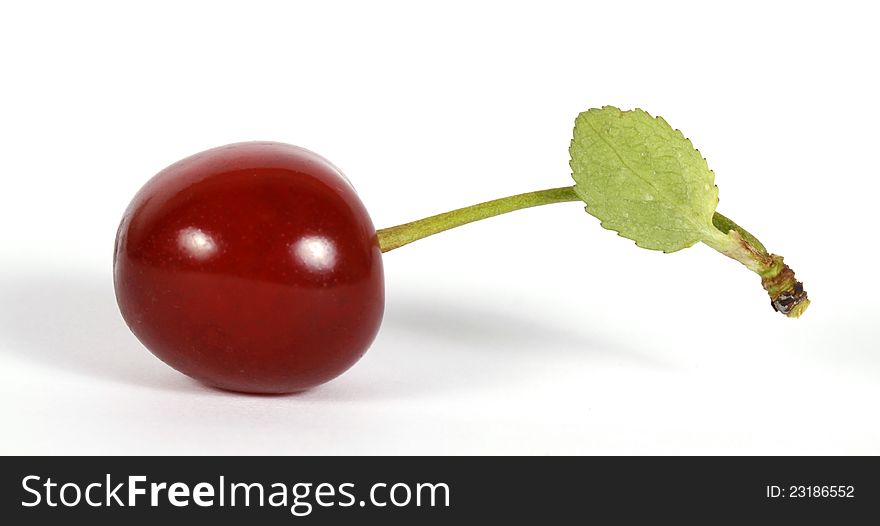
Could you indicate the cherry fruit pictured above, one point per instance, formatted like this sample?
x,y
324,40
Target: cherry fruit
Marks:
x,y
251,267
254,267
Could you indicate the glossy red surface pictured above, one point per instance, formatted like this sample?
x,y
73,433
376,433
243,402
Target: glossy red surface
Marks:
x,y
252,267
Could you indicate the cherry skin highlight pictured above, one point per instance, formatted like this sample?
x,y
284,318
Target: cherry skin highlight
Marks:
x,y
252,267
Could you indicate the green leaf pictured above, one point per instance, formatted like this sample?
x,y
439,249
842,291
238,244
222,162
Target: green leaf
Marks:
x,y
643,179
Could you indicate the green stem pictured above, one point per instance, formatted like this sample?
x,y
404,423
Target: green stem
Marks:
x,y
786,293
397,236
725,225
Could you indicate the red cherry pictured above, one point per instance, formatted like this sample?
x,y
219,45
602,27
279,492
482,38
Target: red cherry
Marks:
x,y
252,267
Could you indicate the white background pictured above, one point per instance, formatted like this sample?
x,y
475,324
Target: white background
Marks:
x,y
534,333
